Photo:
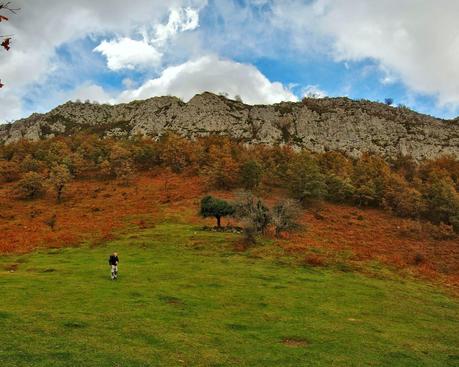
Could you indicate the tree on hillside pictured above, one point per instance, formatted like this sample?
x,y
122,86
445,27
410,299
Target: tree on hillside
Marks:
x,y
285,216
222,168
251,173
5,8
213,207
306,183
389,101
31,186
59,177
121,164
442,200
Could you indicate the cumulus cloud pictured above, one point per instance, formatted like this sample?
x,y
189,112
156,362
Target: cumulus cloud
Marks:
x,y
209,73
180,20
414,41
42,26
88,91
313,91
128,53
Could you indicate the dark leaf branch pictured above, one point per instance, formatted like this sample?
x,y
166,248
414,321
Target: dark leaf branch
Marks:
x,y
6,40
7,6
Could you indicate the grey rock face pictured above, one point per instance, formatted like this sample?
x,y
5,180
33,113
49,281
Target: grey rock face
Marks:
x,y
352,127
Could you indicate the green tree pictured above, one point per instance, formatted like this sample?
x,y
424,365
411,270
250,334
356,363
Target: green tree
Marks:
x,y
442,200
251,173
339,189
213,207
305,182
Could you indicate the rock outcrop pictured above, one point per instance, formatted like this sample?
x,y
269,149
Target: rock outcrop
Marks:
x,y
340,124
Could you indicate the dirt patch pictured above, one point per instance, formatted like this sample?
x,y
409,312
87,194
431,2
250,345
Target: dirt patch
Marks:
x,y
295,342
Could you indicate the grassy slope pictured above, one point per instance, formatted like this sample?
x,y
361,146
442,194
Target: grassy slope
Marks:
x,y
184,298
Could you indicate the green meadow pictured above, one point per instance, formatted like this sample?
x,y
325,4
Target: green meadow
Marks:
x,y
185,298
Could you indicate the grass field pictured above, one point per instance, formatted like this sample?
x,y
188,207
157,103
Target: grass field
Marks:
x,y
185,298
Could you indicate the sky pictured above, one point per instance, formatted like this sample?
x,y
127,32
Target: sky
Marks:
x,y
265,51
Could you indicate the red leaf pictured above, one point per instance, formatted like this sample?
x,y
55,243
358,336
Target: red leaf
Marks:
x,y
3,18
6,44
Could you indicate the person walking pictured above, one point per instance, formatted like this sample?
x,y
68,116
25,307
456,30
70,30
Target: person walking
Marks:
x,y
113,262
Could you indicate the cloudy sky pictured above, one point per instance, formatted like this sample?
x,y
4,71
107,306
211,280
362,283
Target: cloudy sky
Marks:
x,y
266,51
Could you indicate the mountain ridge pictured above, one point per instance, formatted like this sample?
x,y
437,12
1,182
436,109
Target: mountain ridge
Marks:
x,y
341,124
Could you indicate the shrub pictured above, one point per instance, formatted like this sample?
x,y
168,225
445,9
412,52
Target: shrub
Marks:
x,y
253,212
9,171
31,186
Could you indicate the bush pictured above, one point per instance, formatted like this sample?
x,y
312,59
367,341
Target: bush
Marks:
x,y
9,171
31,186
253,212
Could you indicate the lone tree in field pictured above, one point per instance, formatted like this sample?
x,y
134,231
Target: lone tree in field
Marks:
x,y
58,177
212,207
5,40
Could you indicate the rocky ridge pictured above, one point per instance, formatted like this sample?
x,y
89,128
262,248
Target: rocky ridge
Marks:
x,y
324,124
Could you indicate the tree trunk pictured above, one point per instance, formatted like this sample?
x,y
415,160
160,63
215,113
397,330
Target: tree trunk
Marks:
x,y
59,194
218,221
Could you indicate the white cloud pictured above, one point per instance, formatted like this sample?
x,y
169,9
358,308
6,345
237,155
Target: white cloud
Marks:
x,y
88,91
44,25
10,106
180,20
126,53
313,91
209,73
415,41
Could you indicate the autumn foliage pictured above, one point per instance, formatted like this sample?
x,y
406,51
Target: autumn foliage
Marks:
x,y
66,190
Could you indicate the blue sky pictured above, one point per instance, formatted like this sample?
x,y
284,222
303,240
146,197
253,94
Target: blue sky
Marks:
x,y
265,51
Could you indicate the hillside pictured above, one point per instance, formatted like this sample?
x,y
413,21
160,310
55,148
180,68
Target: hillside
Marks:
x,y
184,297
342,236
341,124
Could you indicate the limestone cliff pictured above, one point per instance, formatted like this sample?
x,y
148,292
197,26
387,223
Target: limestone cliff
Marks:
x,y
317,124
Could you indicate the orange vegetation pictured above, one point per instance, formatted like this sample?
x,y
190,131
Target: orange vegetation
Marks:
x,y
94,210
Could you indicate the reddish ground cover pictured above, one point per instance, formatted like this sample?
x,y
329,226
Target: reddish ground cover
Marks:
x,y
96,210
